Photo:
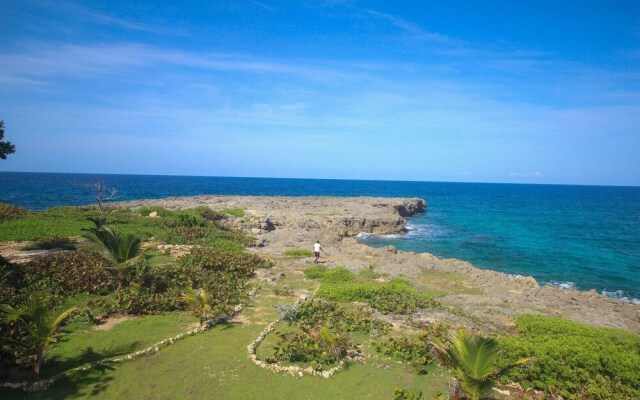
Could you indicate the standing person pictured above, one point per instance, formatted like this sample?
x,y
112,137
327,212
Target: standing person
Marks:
x,y
316,250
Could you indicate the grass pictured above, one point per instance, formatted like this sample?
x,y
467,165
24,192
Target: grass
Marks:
x,y
215,365
236,212
85,346
297,253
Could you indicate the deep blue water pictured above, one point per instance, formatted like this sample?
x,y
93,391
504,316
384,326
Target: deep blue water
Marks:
x,y
578,236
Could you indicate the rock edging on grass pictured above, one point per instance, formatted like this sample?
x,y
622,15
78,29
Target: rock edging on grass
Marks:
x,y
293,369
45,383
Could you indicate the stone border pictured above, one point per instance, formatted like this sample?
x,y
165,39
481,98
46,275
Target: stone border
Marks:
x,y
45,383
293,369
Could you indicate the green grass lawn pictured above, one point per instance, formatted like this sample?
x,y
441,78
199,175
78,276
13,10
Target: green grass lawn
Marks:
x,y
215,365
80,347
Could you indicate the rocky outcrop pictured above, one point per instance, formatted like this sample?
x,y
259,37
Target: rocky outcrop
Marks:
x,y
344,216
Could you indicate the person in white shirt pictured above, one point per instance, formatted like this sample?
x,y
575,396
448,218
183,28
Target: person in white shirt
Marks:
x,y
316,250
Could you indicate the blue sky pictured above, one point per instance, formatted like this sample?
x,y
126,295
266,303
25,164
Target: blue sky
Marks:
x,y
475,91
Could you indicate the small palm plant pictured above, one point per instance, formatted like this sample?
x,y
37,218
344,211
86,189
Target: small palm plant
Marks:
x,y
472,359
121,248
39,325
199,303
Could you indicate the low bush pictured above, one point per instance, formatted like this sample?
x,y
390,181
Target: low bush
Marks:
x,y
412,349
69,273
338,275
54,242
406,394
313,313
297,253
573,360
391,297
9,212
209,214
319,346
368,274
315,271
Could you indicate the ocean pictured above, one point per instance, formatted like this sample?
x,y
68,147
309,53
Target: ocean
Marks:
x,y
582,237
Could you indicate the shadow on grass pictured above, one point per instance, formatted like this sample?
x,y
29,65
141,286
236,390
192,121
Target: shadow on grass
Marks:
x,y
80,385
57,364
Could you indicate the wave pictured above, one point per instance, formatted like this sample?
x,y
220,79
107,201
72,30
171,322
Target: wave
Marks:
x,y
562,285
614,294
620,295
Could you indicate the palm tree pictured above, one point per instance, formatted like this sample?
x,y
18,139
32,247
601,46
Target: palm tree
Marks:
x,y
121,248
40,325
199,303
472,359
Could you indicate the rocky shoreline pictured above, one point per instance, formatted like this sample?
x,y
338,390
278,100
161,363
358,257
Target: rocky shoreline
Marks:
x,y
483,297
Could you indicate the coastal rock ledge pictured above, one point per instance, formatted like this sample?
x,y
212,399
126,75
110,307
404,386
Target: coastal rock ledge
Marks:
x,y
341,216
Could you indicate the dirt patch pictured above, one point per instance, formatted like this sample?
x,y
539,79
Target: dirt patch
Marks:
x,y
111,322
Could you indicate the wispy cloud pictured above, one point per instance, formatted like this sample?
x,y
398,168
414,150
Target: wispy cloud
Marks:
x,y
39,61
534,174
410,28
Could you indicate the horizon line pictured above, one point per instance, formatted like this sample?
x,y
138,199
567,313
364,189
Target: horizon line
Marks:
x,y
97,174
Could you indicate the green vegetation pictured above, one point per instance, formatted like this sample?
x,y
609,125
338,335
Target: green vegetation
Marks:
x,y
199,303
412,349
9,212
574,360
86,281
315,271
121,248
236,212
86,343
473,360
391,297
54,242
319,333
6,148
37,327
297,253
397,296
337,275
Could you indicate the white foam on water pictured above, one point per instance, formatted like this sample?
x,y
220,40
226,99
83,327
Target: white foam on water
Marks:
x,y
562,285
620,295
366,235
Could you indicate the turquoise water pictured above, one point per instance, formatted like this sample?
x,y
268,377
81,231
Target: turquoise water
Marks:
x,y
570,236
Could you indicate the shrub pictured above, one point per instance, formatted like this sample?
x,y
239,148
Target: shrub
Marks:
x,y
223,275
145,211
315,271
368,274
136,299
406,394
239,266
319,346
313,313
69,273
392,297
54,242
338,275
297,253
236,212
412,349
184,218
574,360
209,214
9,212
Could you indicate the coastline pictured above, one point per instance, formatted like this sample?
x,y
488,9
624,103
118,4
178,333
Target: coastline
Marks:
x,y
480,296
